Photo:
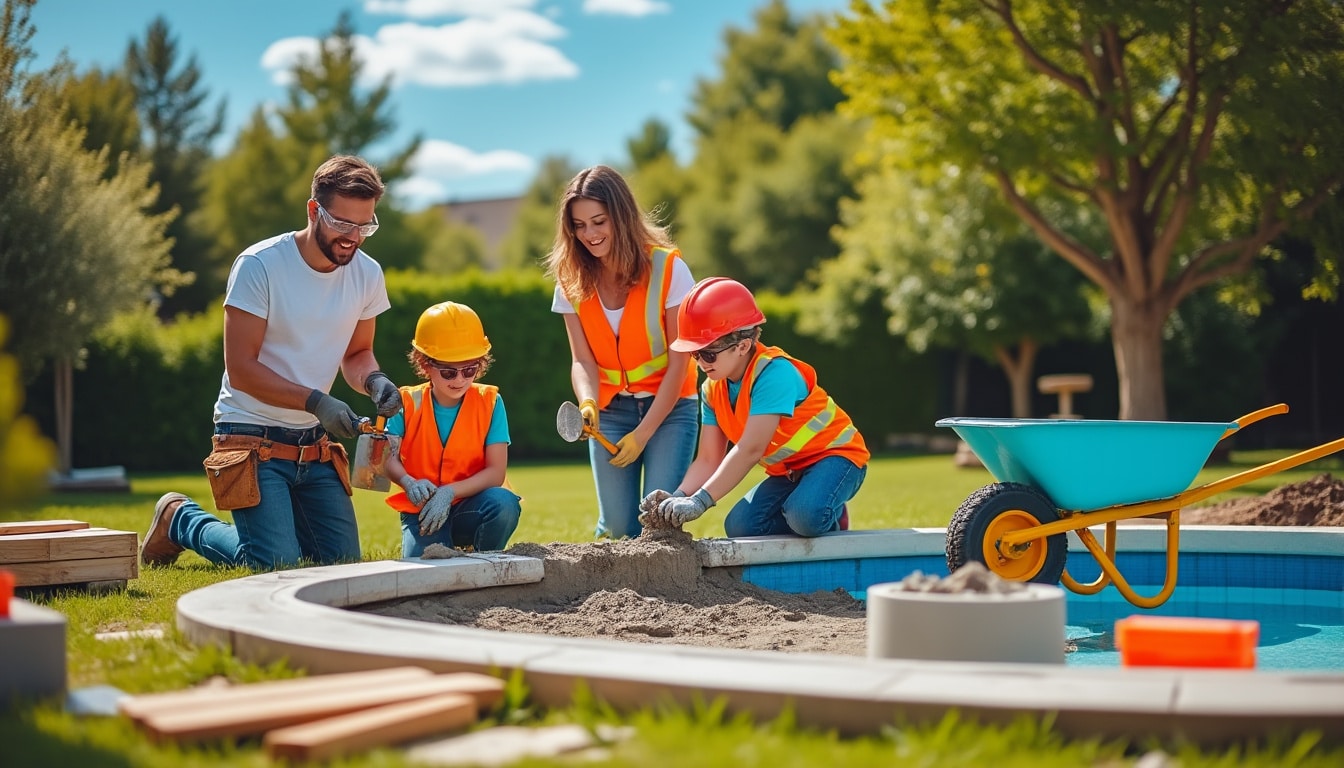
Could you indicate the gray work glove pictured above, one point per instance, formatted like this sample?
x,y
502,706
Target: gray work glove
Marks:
x,y
680,510
384,394
648,508
435,512
336,416
419,491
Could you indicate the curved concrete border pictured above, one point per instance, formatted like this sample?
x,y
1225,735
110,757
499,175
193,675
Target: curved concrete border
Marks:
x,y
298,615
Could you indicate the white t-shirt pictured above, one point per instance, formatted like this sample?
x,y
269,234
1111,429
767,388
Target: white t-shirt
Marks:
x,y
310,317
682,283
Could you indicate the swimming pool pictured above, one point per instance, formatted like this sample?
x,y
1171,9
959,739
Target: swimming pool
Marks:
x,y
1297,597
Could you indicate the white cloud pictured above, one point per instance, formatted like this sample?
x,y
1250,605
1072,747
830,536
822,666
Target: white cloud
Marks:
x,y
626,7
429,9
444,159
439,168
510,46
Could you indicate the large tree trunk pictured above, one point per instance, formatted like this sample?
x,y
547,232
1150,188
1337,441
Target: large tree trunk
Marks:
x,y
1019,368
1136,335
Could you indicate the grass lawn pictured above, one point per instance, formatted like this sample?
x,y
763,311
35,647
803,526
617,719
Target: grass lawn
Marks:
x,y
558,505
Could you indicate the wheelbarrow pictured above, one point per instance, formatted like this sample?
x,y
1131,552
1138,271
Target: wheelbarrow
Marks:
x,y
1060,475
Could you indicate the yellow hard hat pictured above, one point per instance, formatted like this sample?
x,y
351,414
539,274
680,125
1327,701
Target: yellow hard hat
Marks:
x,y
450,332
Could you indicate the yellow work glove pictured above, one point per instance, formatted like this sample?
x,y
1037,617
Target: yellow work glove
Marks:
x,y
628,449
588,409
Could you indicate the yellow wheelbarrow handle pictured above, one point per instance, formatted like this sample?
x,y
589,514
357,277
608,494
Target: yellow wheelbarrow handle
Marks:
x,y
1254,416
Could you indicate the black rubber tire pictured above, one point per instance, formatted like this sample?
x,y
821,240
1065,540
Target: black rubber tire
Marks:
x,y
966,532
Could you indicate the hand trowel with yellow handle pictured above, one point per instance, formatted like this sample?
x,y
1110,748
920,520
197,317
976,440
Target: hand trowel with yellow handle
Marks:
x,y
370,452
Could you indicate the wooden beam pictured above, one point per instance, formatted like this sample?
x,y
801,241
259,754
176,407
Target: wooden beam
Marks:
x,y
256,717
81,544
370,728
41,526
151,704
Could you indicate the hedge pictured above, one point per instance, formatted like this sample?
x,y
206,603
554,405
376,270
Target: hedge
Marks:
x,y
144,396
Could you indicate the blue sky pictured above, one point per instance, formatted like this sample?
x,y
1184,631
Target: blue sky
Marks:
x,y
492,86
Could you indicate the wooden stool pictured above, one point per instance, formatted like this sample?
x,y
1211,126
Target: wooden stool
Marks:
x,y
1064,385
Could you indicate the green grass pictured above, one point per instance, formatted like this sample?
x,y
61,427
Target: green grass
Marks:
x,y
908,491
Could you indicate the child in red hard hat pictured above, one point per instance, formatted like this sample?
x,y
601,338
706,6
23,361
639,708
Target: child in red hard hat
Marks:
x,y
769,406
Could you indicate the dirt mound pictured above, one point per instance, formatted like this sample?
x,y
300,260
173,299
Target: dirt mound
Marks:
x,y
651,590
1318,501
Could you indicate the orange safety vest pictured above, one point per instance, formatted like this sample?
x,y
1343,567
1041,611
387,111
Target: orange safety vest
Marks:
x,y
818,427
635,359
424,456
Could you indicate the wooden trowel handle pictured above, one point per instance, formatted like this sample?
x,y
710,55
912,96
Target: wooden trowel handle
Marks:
x,y
593,433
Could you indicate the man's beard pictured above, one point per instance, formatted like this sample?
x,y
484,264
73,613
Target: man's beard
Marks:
x,y
328,248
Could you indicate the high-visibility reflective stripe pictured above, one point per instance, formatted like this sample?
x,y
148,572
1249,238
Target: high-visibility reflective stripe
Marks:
x,y
653,308
641,372
805,435
417,396
610,375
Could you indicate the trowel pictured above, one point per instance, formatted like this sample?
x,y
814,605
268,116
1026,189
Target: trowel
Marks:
x,y
569,423
370,451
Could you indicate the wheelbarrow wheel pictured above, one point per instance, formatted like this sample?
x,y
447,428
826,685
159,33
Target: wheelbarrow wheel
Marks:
x,y
991,512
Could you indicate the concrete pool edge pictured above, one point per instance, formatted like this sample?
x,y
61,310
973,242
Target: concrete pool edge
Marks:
x,y
298,615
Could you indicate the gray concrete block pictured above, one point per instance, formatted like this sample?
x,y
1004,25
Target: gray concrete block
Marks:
x,y
32,651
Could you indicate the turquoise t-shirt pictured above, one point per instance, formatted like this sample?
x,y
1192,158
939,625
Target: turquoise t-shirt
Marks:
x,y
445,416
778,390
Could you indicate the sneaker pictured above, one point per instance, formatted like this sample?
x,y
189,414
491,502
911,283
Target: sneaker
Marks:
x,y
844,517
157,548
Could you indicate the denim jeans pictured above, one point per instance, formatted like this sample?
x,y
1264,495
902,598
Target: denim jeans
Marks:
x,y
484,522
662,464
809,504
304,514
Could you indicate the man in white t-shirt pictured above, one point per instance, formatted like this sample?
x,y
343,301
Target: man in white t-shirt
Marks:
x,y
299,307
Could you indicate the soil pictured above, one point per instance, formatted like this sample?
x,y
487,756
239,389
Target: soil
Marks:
x,y
653,590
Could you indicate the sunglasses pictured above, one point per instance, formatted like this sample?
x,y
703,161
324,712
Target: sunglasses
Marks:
x,y
710,355
346,227
449,373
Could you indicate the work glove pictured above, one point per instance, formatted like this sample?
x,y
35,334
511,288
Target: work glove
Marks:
x,y
435,512
628,449
336,416
384,394
588,409
648,508
419,491
680,510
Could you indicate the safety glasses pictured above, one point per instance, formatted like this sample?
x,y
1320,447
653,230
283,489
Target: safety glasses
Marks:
x,y
449,373
346,227
710,355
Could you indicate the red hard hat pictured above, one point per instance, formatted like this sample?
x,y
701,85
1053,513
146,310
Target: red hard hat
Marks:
x,y
716,306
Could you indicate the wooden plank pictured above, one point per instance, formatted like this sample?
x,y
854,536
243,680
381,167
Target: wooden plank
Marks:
x,y
40,526
139,707
68,545
370,728
74,571
256,717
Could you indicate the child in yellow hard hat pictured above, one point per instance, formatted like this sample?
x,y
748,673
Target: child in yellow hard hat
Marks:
x,y
769,406
453,446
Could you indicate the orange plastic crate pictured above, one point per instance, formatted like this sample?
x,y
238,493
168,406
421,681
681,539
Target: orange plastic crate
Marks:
x,y
1178,641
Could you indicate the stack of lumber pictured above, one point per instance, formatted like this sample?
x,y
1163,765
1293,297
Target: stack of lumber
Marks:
x,y
46,552
317,718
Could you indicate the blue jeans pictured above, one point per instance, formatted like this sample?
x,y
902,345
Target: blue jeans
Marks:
x,y
662,464
304,514
483,522
809,504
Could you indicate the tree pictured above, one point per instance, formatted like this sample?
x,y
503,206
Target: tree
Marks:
x,y
779,71
1199,130
533,231
76,246
103,103
771,155
954,270
653,143
178,134
255,191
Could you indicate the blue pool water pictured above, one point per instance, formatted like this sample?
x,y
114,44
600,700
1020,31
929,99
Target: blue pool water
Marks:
x,y
1298,600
